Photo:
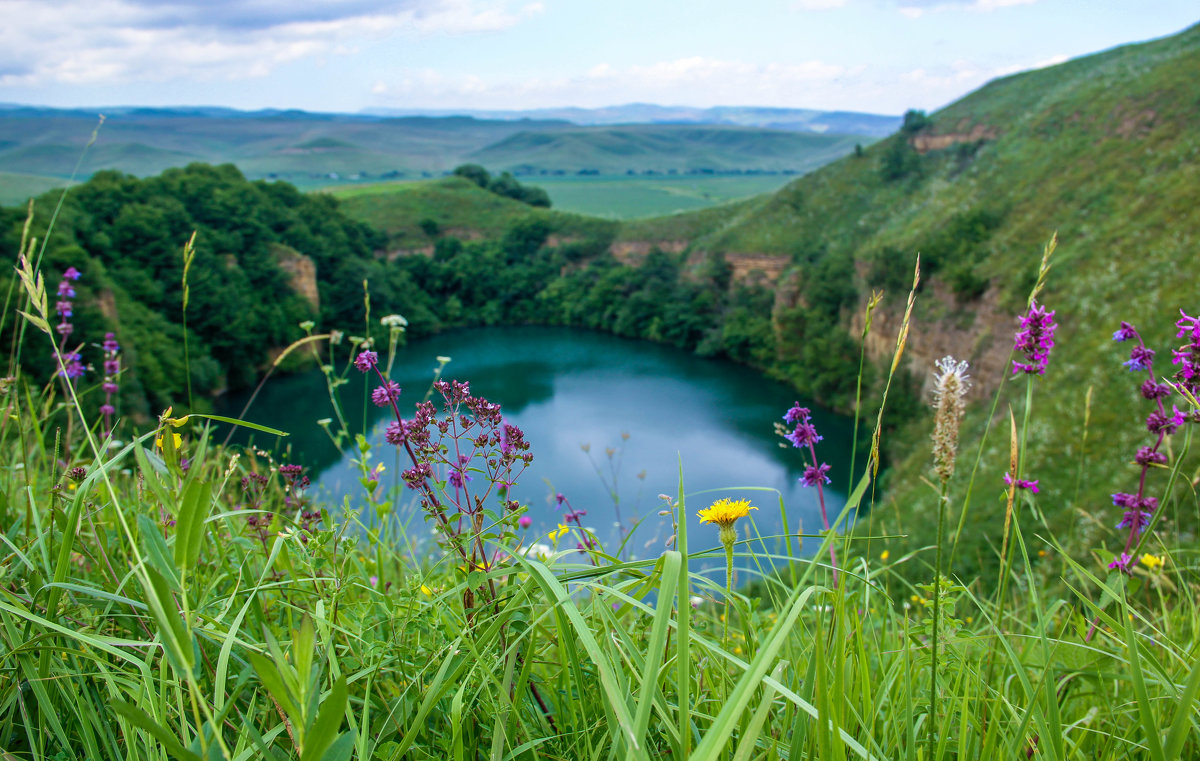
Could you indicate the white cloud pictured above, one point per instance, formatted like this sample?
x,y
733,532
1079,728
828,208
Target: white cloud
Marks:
x,y
120,41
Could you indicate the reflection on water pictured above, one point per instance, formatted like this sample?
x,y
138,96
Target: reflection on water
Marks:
x,y
575,393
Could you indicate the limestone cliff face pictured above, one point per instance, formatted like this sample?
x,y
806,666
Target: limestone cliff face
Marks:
x,y
632,252
301,271
929,142
939,327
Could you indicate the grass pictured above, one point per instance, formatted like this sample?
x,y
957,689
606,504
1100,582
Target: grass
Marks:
x,y
16,189
167,597
609,196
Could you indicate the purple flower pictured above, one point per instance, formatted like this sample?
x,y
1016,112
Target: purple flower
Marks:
x,y
1152,390
64,308
64,329
112,366
110,343
1187,356
1034,340
1121,562
1125,332
72,274
385,395
1021,483
1147,456
107,409
796,414
395,433
525,521
1140,358
366,360
815,474
804,435
65,290
1160,422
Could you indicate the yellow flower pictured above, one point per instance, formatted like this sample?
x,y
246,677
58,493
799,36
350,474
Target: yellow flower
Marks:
x,y
560,531
884,555
1153,562
427,591
174,436
724,512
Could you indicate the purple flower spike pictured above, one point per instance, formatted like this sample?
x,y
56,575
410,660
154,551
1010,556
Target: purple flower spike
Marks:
x,y
1034,340
366,360
72,274
796,414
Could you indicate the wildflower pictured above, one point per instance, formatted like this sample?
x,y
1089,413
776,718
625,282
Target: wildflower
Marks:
x,y
725,512
525,521
385,395
1034,340
393,321
175,437
1187,356
366,360
1021,483
556,534
1138,507
1153,562
884,555
815,474
1125,332
805,435
950,384
1121,562
112,368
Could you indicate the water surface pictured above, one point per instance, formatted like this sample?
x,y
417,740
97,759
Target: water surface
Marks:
x,y
603,414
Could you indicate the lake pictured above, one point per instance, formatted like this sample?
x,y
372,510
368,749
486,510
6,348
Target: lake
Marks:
x,y
604,415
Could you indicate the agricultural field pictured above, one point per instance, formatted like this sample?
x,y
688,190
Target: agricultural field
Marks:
x,y
615,196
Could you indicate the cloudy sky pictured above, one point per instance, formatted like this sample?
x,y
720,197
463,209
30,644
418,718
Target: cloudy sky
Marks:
x,y
344,55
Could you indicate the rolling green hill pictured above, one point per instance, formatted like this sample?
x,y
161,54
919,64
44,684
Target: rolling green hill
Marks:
x,y
664,148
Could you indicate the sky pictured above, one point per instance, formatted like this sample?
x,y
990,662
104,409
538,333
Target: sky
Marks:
x,y
880,56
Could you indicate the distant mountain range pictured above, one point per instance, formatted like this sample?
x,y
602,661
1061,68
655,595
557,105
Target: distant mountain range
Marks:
x,y
790,119
41,146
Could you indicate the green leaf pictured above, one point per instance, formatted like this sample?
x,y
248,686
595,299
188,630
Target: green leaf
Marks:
x,y
189,524
341,749
242,423
269,675
157,553
171,625
324,730
142,720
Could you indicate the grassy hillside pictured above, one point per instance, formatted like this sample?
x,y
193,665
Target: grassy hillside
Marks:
x,y
610,196
416,215
1102,150
664,147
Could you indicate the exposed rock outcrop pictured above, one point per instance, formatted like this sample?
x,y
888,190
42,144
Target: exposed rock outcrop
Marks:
x,y
301,271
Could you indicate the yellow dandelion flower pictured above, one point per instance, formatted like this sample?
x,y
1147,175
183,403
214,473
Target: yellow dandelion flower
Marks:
x,y
724,512
1153,562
